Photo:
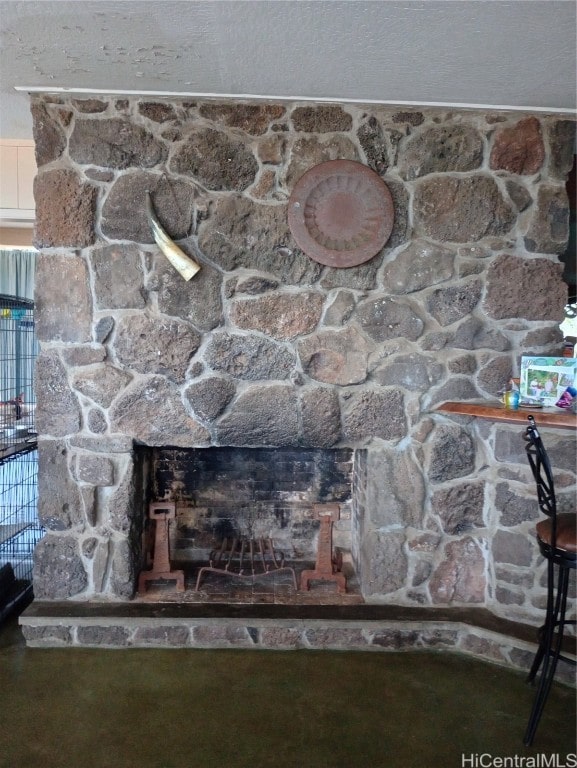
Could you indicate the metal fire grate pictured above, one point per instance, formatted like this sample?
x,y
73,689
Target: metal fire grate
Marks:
x,y
246,559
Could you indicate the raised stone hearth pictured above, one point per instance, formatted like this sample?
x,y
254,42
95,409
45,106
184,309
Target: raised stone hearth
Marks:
x,y
266,349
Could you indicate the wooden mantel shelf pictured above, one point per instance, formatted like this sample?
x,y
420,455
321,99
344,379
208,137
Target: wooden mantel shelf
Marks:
x,y
545,417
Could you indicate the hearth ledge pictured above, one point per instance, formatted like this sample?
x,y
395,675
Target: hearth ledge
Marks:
x,y
369,628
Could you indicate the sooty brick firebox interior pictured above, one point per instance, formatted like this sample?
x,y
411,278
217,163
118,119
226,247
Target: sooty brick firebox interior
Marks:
x,y
251,493
246,495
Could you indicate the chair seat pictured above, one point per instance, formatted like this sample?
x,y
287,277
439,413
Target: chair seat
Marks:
x,y
566,532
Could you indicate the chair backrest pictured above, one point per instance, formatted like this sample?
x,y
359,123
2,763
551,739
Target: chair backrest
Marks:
x,y
541,468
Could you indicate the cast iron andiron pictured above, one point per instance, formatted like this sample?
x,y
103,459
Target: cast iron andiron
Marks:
x,y
327,567
161,512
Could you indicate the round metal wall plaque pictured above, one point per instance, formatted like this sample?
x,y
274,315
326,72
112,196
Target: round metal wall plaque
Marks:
x,y
341,213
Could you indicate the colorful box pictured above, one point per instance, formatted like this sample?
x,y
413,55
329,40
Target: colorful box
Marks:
x,y
544,379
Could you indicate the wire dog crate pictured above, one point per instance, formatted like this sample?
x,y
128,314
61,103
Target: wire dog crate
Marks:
x,y
20,530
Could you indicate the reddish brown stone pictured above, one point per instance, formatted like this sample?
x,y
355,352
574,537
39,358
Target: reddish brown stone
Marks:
x,y
325,118
90,106
65,208
461,209
271,149
525,288
282,316
460,578
518,148
159,113
251,118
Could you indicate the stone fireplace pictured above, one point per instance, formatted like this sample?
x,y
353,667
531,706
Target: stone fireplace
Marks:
x,y
265,349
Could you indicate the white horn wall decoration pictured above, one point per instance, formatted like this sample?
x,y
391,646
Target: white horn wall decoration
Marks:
x,y
184,265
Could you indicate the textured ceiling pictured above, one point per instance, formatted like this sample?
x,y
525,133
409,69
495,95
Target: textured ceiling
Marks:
x,y
518,54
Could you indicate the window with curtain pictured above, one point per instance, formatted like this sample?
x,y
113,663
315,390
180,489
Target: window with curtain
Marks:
x,y
17,268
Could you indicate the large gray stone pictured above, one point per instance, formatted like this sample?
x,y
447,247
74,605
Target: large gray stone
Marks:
x,y
59,501
510,547
63,306
209,397
562,136
102,383
460,507
441,149
151,411
58,571
215,159
414,372
383,318
94,470
261,416
241,233
340,309
457,388
395,492
57,407
119,277
369,414
321,417
447,305
114,143
125,504
384,562
360,278
461,209
124,215
473,333
49,138
514,509
80,355
335,357
249,357
549,228
495,375
124,569
150,344
420,265
198,300
452,454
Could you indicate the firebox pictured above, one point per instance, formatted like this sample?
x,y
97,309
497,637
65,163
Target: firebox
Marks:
x,y
232,507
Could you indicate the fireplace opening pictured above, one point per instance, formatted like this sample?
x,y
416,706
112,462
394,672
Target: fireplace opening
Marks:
x,y
258,524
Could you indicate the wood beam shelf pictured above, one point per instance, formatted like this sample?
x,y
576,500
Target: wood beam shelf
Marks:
x,y
545,417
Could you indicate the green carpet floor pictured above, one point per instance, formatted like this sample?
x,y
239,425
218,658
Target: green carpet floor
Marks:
x,y
84,708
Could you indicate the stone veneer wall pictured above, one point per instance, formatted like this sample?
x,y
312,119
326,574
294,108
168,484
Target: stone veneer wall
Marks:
x,y
264,347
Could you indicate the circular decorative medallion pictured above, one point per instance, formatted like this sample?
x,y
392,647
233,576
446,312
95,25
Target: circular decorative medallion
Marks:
x,y
341,213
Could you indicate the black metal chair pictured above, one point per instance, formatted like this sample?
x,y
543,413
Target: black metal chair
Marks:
x,y
557,539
